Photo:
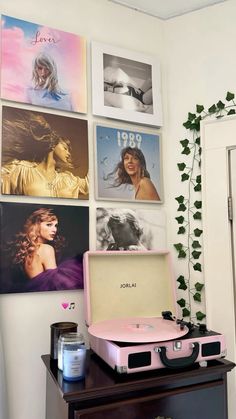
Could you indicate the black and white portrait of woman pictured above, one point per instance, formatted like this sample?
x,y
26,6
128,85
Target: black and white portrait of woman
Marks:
x,y
130,229
42,246
44,155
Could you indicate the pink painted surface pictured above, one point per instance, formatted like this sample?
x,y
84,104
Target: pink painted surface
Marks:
x,y
117,357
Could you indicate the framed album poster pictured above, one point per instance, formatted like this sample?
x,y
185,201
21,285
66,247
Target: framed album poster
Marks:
x,y
44,154
130,229
42,66
41,247
126,85
128,164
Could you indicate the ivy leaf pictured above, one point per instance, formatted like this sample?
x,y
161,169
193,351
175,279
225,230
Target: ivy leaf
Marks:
x,y
181,166
180,219
229,96
178,247
182,254
184,177
194,126
199,108
182,283
196,254
198,204
187,124
191,116
185,142
197,297
231,112
197,215
197,188
197,122
185,312
180,199
196,244
180,279
198,179
200,316
182,207
181,230
212,109
220,105
181,302
197,267
197,232
198,141
186,151
182,287
199,286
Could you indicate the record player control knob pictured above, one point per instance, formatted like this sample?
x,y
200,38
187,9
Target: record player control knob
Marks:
x,y
202,328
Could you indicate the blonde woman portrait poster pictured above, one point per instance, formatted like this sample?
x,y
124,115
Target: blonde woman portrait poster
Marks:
x,y
44,155
43,66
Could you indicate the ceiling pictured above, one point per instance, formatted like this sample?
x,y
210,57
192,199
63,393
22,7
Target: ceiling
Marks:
x,y
166,9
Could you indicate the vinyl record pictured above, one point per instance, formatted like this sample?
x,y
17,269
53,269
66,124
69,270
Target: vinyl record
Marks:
x,y
137,329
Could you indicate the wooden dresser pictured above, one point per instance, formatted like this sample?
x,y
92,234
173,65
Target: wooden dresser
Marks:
x,y
192,393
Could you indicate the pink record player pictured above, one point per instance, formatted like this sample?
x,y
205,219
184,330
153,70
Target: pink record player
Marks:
x,y
129,300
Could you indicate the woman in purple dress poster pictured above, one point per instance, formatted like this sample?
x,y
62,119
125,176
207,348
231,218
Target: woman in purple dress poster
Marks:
x,y
35,253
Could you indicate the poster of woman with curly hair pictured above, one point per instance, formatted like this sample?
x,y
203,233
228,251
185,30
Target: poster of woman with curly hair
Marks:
x,y
42,66
42,246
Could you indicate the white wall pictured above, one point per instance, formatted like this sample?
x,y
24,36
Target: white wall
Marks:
x,y
200,63
200,66
197,53
25,318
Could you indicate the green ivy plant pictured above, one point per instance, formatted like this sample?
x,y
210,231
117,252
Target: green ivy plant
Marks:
x,y
189,206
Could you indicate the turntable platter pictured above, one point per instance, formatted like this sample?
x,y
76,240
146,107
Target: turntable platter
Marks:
x,y
137,329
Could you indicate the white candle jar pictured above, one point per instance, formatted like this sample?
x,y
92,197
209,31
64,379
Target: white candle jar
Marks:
x,y
74,358
73,340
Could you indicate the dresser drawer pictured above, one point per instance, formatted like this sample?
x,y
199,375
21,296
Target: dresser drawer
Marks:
x,y
200,401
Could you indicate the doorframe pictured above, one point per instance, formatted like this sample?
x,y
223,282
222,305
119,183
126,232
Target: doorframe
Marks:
x,y
217,137
232,213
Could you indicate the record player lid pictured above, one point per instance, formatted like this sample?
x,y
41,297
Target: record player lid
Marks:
x,y
121,284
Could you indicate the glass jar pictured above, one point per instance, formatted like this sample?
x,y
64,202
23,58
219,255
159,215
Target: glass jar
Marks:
x,y
73,358
58,329
70,338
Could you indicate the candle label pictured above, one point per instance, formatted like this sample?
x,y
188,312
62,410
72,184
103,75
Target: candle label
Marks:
x,y
74,363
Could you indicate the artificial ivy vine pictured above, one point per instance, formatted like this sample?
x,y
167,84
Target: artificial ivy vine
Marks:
x,y
189,206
